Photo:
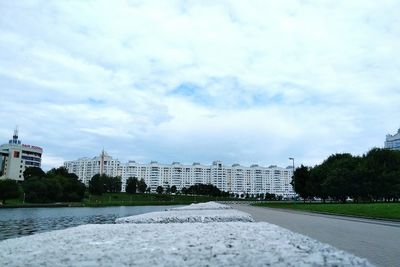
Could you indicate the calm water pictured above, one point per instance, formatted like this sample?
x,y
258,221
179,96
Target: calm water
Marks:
x,y
28,221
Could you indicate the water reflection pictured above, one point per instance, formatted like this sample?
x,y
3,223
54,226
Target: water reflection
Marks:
x,y
27,221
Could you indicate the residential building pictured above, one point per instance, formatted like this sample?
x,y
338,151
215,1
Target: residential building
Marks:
x,y
86,168
393,141
15,157
236,179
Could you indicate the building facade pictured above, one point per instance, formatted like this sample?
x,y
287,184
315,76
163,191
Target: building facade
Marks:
x,y
86,168
235,179
15,157
393,141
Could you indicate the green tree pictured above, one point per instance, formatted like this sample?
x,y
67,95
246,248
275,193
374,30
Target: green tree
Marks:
x,y
203,189
61,171
184,190
73,190
301,178
112,184
381,168
97,185
173,189
342,178
269,196
31,172
131,185
160,189
42,190
8,189
168,189
142,186
320,186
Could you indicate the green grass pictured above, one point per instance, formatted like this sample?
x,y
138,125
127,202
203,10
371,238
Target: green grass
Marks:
x,y
122,199
370,210
14,201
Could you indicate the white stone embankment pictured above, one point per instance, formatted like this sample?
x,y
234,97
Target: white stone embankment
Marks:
x,y
187,244
189,216
192,243
204,206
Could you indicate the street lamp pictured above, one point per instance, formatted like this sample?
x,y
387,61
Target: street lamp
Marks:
x,y
292,159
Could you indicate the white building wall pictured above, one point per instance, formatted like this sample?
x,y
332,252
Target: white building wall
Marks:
x,y
235,179
15,157
393,141
86,168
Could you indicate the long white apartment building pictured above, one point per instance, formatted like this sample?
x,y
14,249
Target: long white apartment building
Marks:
x,y
235,179
393,141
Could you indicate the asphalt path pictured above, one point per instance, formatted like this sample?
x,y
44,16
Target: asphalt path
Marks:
x,y
376,240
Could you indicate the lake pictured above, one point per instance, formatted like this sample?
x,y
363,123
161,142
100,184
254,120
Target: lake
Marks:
x,y
27,221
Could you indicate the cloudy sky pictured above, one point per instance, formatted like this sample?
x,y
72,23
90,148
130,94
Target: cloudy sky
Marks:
x,y
240,81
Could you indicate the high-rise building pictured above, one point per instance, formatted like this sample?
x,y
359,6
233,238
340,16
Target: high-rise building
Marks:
x,y
86,168
393,141
235,179
15,157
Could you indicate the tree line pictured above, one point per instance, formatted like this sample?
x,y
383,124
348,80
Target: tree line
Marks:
x,y
102,183
58,185
40,187
134,185
204,189
375,176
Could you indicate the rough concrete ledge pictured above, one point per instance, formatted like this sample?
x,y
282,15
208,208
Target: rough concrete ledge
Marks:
x,y
188,244
204,206
189,216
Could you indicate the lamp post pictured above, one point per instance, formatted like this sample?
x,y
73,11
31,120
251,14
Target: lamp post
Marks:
x,y
292,159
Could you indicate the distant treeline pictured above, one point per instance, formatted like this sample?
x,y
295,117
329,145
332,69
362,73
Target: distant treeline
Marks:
x,y
57,185
374,176
102,183
204,189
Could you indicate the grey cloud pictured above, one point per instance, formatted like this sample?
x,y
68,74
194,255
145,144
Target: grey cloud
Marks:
x,y
300,78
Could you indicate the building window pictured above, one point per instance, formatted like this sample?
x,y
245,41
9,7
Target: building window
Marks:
x,y
16,154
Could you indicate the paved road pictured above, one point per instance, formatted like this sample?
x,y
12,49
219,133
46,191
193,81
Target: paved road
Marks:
x,y
377,241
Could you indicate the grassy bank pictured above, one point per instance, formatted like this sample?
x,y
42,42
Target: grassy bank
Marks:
x,y
121,199
369,210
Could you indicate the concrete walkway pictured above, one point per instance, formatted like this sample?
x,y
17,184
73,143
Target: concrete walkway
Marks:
x,y
376,240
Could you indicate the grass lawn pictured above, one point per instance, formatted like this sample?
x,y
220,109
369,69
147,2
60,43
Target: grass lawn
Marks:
x,y
118,199
370,210
122,199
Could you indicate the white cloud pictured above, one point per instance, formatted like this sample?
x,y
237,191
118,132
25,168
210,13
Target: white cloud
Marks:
x,y
269,79
49,161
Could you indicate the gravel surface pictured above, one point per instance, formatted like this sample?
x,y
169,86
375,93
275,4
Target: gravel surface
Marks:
x,y
189,216
204,206
183,244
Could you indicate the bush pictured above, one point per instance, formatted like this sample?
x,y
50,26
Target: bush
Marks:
x,y
8,189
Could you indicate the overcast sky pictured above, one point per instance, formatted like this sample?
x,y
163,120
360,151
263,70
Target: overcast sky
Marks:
x,y
239,81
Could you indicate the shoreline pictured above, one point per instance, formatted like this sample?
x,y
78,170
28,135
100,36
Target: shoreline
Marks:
x,y
99,205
